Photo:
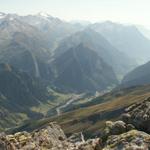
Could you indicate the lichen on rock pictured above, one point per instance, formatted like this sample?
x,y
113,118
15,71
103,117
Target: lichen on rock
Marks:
x,y
132,140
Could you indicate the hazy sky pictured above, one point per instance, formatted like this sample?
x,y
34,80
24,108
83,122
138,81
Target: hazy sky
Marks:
x,y
126,11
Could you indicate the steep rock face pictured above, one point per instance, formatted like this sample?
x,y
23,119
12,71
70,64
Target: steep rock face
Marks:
x,y
81,69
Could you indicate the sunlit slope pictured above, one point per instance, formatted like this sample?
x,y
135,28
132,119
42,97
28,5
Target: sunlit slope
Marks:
x,y
90,119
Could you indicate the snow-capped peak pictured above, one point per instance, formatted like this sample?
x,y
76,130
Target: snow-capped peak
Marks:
x,y
43,14
2,15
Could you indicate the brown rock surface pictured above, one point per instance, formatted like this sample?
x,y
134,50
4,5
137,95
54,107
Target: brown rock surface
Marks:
x,y
132,140
138,114
51,137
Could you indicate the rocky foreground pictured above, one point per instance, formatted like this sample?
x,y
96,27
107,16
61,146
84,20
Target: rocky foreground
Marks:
x,y
129,133
51,137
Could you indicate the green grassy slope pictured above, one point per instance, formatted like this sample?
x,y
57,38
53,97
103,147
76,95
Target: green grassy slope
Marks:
x,y
92,118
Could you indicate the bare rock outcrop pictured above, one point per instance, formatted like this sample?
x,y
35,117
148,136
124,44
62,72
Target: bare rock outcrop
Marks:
x,y
132,140
138,114
130,133
49,138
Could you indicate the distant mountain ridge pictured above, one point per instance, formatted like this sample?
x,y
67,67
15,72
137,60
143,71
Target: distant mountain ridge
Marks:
x,y
126,38
81,69
139,76
120,63
22,45
32,43
53,28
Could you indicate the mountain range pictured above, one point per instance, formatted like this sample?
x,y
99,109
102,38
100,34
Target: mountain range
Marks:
x,y
80,68
45,60
127,38
112,56
33,43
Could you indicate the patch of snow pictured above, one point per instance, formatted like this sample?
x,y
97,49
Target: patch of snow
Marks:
x,y
2,15
43,14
